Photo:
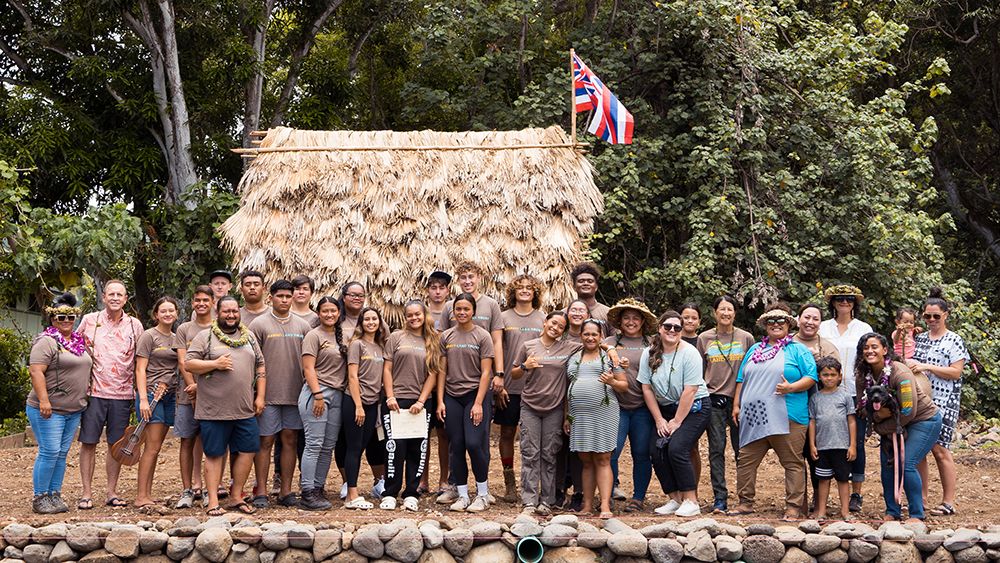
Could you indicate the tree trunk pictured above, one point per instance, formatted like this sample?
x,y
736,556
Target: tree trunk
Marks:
x,y
954,198
253,89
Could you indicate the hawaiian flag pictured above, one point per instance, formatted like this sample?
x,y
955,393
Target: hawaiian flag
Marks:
x,y
611,121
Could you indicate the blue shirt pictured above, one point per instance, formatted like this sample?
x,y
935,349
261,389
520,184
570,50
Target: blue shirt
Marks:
x,y
677,370
799,363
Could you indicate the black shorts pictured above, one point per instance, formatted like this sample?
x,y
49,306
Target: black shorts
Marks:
x,y
435,422
112,414
833,464
509,415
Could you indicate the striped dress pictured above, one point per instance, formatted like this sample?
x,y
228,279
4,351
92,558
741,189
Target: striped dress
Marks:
x,y
593,406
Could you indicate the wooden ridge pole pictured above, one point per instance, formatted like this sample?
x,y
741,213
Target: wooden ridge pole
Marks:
x,y
262,150
572,100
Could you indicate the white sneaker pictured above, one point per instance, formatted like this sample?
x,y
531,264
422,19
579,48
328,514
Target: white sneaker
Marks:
x,y
388,503
618,494
343,491
528,509
411,504
449,496
668,509
478,505
460,505
688,509
490,499
379,488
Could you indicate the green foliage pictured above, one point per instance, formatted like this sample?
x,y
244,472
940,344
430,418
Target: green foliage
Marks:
x,y
16,382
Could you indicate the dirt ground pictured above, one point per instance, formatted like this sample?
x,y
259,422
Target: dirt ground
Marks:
x,y
978,491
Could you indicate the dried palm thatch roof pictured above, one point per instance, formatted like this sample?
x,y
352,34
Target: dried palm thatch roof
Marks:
x,y
388,218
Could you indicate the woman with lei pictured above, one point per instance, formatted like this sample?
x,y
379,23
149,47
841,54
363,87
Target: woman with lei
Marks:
x,y
60,374
771,408
917,422
592,418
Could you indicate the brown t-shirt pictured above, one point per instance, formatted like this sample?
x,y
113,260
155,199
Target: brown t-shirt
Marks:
x,y
914,393
67,376
310,317
488,315
369,358
225,395
465,352
821,348
723,355
331,367
630,348
545,386
158,348
281,343
409,364
518,329
182,341
247,316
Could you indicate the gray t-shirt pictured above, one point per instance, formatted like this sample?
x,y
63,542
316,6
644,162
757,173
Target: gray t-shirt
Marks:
x,y
829,411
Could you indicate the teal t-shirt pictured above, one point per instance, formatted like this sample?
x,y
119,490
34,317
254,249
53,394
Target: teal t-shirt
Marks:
x,y
799,363
668,385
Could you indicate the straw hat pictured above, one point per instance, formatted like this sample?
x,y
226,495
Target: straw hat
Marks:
x,y
615,313
775,314
843,289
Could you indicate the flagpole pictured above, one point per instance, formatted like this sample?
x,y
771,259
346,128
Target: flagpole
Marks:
x,y
572,100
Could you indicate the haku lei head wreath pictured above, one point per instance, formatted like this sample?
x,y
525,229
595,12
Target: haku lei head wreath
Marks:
x,y
843,289
63,309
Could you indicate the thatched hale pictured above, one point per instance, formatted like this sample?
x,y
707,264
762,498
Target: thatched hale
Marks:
x,y
388,218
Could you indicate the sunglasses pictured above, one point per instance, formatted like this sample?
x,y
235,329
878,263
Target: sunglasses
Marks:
x,y
932,316
845,298
671,327
64,318
776,321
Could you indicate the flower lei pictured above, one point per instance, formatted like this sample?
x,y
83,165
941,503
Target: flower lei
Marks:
x,y
870,382
762,354
75,345
237,342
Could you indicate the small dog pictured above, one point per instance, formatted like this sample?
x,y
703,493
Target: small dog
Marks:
x,y
880,397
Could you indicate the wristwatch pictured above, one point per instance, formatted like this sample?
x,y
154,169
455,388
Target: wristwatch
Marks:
x,y
499,374
523,367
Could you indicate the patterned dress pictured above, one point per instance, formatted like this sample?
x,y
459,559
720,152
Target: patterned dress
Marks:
x,y
947,393
593,406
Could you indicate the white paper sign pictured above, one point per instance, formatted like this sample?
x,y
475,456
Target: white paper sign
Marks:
x,y
406,425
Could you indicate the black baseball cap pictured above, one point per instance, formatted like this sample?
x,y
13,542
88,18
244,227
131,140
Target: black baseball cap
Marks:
x,y
439,275
221,274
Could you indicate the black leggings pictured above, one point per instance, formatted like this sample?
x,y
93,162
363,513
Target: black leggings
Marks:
x,y
467,437
374,449
356,437
672,463
412,452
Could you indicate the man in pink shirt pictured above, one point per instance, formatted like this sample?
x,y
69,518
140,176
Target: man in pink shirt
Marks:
x,y
111,335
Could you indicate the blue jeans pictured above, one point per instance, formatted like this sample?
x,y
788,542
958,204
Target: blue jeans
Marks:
x,y
637,426
54,435
321,436
920,438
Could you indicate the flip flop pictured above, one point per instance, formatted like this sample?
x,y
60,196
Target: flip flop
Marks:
x,y
943,509
242,507
607,515
740,511
85,504
116,502
216,511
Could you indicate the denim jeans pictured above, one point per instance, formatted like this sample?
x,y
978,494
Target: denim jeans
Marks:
x,y
54,436
637,426
920,438
721,420
321,436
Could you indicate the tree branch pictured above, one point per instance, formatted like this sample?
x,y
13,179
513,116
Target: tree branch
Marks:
x,y
954,199
295,67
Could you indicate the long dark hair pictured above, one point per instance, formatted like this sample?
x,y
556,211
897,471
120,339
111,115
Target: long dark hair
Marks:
x,y
861,368
338,331
656,348
380,336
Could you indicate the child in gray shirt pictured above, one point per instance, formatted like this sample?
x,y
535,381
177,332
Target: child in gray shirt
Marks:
x,y
832,436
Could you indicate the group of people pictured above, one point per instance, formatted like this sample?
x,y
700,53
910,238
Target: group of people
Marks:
x,y
309,382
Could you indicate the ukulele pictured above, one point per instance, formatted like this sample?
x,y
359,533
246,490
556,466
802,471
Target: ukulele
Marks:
x,y
127,449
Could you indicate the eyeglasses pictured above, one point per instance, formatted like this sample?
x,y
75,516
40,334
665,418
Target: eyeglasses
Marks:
x,y
671,327
355,295
932,316
776,321
845,298
64,318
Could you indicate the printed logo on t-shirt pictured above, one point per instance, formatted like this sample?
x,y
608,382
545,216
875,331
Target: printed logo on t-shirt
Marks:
x,y
284,335
530,329
450,346
411,347
372,358
725,352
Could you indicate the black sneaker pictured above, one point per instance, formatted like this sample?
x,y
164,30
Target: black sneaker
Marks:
x,y
855,504
289,500
312,500
576,504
